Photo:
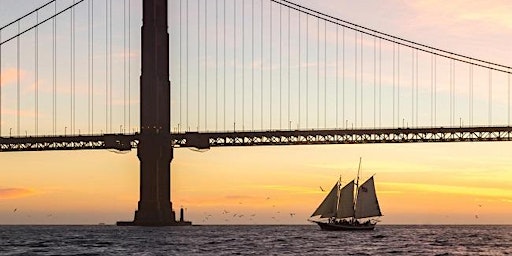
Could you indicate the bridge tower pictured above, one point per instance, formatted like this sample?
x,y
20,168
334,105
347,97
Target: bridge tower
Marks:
x,y
154,149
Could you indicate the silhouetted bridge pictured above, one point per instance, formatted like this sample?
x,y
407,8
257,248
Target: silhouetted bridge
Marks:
x,y
204,140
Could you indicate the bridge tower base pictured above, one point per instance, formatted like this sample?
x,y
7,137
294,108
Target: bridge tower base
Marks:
x,y
154,149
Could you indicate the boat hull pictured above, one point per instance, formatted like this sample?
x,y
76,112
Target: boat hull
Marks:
x,y
345,226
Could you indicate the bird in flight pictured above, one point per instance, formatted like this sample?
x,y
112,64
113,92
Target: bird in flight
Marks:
x,y
292,214
15,209
322,189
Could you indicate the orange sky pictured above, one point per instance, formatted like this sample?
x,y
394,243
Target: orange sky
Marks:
x,y
416,183
444,183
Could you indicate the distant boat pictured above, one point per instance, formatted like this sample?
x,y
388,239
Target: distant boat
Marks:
x,y
351,207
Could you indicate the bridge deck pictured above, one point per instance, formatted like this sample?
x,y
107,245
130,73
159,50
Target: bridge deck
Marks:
x,y
203,140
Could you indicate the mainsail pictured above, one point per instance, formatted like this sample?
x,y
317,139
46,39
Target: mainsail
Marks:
x,y
346,201
367,204
327,208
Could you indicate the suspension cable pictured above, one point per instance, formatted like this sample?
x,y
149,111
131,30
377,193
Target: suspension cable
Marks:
x,y
39,23
26,15
372,32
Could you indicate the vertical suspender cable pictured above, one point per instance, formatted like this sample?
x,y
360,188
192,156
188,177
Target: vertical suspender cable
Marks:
x,y
129,65
36,76
435,90
0,84
71,72
89,66
355,77
451,92
307,71
362,80
270,46
18,81
224,70
261,64
431,90
380,83
71,68
110,63
289,71
216,64
180,79
394,84
374,82
343,82
234,67
124,63
54,69
412,86
453,95
490,96
299,68
187,128
280,65
398,85
252,65
325,74
106,66
318,75
198,62
337,93
243,64
508,94
417,88
92,67
471,94
73,109
205,65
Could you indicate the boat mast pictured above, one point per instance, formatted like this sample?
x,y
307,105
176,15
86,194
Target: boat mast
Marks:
x,y
339,195
357,185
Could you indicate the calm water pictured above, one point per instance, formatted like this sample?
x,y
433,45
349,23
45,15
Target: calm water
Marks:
x,y
254,240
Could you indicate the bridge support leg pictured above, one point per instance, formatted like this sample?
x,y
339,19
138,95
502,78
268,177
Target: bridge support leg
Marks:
x,y
154,150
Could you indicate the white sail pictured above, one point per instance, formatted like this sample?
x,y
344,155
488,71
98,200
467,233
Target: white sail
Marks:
x,y
367,204
327,208
346,201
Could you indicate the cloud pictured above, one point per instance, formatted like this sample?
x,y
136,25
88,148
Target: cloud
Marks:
x,y
467,11
8,193
504,193
236,197
10,75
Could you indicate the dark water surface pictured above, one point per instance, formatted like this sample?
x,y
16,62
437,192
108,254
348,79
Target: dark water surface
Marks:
x,y
254,240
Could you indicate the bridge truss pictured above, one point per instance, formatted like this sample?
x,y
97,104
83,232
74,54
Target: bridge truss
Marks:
x,y
205,140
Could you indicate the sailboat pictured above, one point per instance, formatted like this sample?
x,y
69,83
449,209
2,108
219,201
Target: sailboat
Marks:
x,y
351,207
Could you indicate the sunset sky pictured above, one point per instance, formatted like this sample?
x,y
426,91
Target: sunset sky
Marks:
x,y
434,183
